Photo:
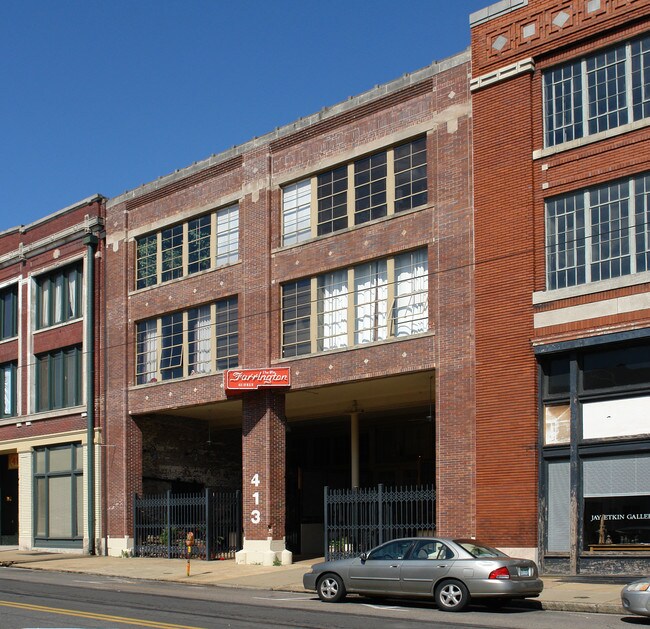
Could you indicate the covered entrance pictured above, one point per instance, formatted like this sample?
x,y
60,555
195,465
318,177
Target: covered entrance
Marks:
x,y
9,499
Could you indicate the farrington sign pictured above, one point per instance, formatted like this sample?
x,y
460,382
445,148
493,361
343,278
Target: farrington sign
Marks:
x,y
253,379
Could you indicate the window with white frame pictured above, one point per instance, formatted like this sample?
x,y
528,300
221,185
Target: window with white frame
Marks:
x,y
203,243
58,296
378,185
9,312
598,233
196,341
364,304
9,389
602,91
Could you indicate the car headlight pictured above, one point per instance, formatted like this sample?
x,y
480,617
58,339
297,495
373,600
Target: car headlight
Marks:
x,y
641,586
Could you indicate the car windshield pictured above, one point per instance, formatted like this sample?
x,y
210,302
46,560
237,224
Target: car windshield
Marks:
x,y
476,549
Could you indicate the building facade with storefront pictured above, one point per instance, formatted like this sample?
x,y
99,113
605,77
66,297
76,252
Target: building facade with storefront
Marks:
x,y
562,209
336,249
50,317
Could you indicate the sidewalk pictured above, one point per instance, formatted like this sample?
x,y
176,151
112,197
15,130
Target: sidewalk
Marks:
x,y
577,594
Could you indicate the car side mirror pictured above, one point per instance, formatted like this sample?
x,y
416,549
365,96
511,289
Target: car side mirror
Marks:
x,y
363,557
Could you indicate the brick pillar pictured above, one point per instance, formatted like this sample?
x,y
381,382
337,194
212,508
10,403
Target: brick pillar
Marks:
x,y
263,479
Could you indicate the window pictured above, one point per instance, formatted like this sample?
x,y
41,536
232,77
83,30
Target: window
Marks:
x,y
9,390
370,188
9,312
357,305
198,245
58,296
181,344
58,379
599,233
58,489
602,91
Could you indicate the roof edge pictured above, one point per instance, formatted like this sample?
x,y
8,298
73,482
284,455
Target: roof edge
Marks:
x,y
495,10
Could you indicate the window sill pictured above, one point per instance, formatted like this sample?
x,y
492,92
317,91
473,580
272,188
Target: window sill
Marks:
x,y
58,325
547,296
173,380
41,415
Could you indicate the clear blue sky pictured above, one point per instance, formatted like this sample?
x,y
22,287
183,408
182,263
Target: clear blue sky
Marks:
x,y
101,96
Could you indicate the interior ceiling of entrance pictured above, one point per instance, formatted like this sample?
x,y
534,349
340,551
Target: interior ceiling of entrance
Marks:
x,y
368,396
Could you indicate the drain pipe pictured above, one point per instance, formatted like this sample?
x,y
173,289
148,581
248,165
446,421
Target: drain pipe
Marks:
x,y
90,240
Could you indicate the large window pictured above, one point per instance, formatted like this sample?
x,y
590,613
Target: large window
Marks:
x,y
207,242
58,379
8,390
602,91
58,494
368,303
378,185
598,233
58,296
196,341
9,312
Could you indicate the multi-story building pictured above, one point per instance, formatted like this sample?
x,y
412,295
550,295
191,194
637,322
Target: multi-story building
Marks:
x,y
50,318
337,249
561,125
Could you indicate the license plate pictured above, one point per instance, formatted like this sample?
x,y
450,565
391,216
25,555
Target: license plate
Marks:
x,y
524,572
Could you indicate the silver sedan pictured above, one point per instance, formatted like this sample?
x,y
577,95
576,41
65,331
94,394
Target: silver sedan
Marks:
x,y
452,571
635,597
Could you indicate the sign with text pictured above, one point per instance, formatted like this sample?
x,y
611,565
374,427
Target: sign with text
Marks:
x,y
253,379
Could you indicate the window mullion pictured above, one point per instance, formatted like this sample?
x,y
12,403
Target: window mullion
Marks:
x,y
584,95
213,240
185,250
629,96
159,350
159,257
313,315
213,338
313,207
588,236
350,196
390,296
631,215
351,325
390,181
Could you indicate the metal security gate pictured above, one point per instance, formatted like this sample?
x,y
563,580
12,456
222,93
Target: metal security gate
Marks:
x,y
358,519
161,523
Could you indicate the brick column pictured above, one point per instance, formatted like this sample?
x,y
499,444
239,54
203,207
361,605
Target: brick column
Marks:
x,y
263,479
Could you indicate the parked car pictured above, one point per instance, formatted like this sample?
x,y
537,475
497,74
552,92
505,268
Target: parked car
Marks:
x,y
635,597
452,571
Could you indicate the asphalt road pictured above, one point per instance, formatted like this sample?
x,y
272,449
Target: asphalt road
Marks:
x,y
30,599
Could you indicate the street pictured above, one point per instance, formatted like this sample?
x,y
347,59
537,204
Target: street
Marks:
x,y
32,599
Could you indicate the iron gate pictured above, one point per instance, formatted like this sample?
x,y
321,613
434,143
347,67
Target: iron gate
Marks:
x,y
161,523
357,520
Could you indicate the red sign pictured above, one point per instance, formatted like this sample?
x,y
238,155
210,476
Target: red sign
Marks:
x,y
252,379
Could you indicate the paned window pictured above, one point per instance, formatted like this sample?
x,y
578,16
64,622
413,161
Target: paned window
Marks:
x,y
181,344
598,233
389,299
9,312
370,188
58,494
58,379
600,92
58,296
198,245
9,390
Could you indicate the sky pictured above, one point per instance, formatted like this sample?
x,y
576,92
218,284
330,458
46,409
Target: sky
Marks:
x,y
102,96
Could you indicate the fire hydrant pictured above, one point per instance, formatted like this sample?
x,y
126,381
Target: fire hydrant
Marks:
x,y
189,542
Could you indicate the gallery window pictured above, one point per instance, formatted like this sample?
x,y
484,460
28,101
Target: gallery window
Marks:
x,y
58,296
58,494
370,302
196,341
9,390
203,243
58,379
602,91
598,233
367,189
9,312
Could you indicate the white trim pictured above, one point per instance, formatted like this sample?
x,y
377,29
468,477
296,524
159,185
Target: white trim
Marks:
x,y
501,74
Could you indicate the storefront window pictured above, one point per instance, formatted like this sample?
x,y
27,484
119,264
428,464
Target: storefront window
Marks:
x,y
557,424
556,377
621,367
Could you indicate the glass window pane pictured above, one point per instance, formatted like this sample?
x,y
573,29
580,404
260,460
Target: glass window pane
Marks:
x,y
559,503
79,506
41,506
60,506
60,459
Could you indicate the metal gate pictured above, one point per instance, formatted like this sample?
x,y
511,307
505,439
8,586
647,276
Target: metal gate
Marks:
x,y
357,520
161,523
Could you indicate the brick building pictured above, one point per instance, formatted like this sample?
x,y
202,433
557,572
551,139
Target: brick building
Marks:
x,y
50,318
561,127
338,247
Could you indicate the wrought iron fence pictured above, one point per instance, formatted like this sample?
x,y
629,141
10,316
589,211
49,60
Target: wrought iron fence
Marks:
x,y
161,523
359,519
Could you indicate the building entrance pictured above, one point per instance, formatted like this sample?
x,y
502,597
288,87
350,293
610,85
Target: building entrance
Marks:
x,y
9,499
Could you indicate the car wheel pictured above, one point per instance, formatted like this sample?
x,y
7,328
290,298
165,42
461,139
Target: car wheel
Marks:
x,y
451,596
330,588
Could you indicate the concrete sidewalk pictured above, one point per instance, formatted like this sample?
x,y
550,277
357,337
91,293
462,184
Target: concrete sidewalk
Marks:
x,y
578,594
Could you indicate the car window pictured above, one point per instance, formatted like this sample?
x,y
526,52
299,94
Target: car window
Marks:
x,y
431,549
477,549
392,550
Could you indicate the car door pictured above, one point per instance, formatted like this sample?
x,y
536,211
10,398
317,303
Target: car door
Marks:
x,y
380,572
427,561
